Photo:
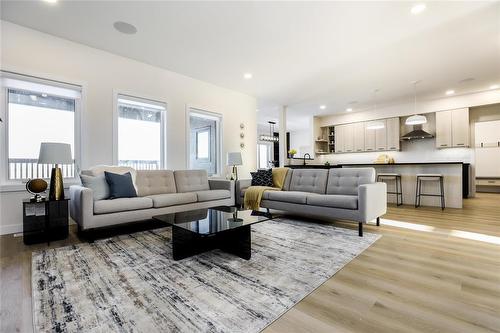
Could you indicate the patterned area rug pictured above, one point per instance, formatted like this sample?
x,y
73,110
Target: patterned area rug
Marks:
x,y
131,283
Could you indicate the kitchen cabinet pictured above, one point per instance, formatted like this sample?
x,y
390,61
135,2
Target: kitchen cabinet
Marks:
x,y
392,126
348,138
339,139
359,137
369,138
452,128
460,128
381,137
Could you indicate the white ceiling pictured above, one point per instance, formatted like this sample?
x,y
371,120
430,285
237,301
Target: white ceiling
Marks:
x,y
301,54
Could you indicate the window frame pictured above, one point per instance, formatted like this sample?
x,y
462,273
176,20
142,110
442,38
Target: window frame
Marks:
x,y
147,100
219,144
7,184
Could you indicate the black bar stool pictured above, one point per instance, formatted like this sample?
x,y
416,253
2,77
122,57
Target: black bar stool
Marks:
x,y
398,189
429,177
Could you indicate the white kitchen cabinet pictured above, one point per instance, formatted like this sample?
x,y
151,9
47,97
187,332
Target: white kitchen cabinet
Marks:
x,y
381,137
348,138
460,128
359,137
452,128
369,138
443,129
339,139
392,133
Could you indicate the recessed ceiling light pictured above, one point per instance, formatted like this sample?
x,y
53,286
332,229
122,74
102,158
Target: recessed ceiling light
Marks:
x,y
418,8
322,107
348,109
33,97
50,1
495,86
125,28
450,92
247,76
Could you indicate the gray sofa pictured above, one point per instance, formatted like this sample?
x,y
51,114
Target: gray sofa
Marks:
x,y
159,192
350,194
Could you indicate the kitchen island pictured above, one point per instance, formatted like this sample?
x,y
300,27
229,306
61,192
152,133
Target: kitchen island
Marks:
x,y
456,179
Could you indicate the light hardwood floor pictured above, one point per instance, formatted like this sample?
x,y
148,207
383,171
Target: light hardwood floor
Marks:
x,y
408,281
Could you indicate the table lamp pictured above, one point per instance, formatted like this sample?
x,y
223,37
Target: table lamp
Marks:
x,y
55,153
234,159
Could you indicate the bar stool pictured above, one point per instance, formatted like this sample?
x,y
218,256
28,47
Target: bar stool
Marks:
x,y
398,190
429,177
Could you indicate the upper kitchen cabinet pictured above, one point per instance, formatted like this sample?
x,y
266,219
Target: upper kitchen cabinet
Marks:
x,y
359,137
452,128
369,138
348,138
381,136
393,127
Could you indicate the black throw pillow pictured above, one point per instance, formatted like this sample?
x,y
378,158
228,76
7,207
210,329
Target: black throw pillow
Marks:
x,y
262,178
120,186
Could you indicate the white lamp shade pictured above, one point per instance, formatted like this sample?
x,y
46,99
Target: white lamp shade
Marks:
x,y
416,120
55,153
234,158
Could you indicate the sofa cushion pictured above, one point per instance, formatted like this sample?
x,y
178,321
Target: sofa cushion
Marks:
x,y
121,204
172,199
288,178
98,185
346,180
309,180
286,196
99,170
191,180
213,195
334,201
120,186
262,177
150,182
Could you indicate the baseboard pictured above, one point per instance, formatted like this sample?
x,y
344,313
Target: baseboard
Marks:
x,y
11,229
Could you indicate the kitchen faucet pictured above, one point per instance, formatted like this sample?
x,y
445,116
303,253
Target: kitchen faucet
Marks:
x,y
305,157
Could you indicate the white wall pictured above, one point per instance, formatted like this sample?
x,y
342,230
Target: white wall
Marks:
x,y
301,140
30,52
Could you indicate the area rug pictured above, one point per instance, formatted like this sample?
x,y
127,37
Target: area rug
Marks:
x,y
131,283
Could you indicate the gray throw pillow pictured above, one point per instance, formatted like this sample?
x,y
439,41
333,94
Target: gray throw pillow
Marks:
x,y
120,186
97,184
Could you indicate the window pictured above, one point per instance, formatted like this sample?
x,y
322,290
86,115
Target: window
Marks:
x,y
204,141
203,144
38,111
263,155
141,133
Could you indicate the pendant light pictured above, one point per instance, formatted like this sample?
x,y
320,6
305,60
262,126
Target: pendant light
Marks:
x,y
270,137
377,124
416,119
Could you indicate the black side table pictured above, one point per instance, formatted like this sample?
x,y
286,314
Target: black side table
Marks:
x,y
45,221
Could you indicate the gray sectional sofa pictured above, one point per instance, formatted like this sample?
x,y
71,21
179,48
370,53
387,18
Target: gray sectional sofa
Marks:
x,y
158,192
350,194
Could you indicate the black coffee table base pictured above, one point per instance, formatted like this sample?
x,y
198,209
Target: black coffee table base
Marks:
x,y
186,243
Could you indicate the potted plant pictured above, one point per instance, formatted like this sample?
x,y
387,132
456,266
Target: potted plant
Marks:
x,y
292,152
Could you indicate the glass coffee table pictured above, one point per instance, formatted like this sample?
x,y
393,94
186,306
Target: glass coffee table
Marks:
x,y
202,230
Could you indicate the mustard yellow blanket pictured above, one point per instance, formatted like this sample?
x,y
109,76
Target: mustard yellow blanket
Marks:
x,y
253,194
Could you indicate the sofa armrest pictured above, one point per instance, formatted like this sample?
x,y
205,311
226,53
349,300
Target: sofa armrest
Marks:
x,y
223,184
81,205
372,201
241,184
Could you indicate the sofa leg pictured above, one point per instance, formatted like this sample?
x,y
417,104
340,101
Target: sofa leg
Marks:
x,y
267,209
360,229
378,221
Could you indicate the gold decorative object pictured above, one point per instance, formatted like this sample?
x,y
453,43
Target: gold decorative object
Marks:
x,y
35,187
55,153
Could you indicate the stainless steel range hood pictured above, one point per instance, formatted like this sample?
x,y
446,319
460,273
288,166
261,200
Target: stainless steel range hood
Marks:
x,y
417,134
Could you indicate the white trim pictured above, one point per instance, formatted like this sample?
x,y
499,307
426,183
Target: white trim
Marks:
x,y
61,90
218,117
11,229
139,98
